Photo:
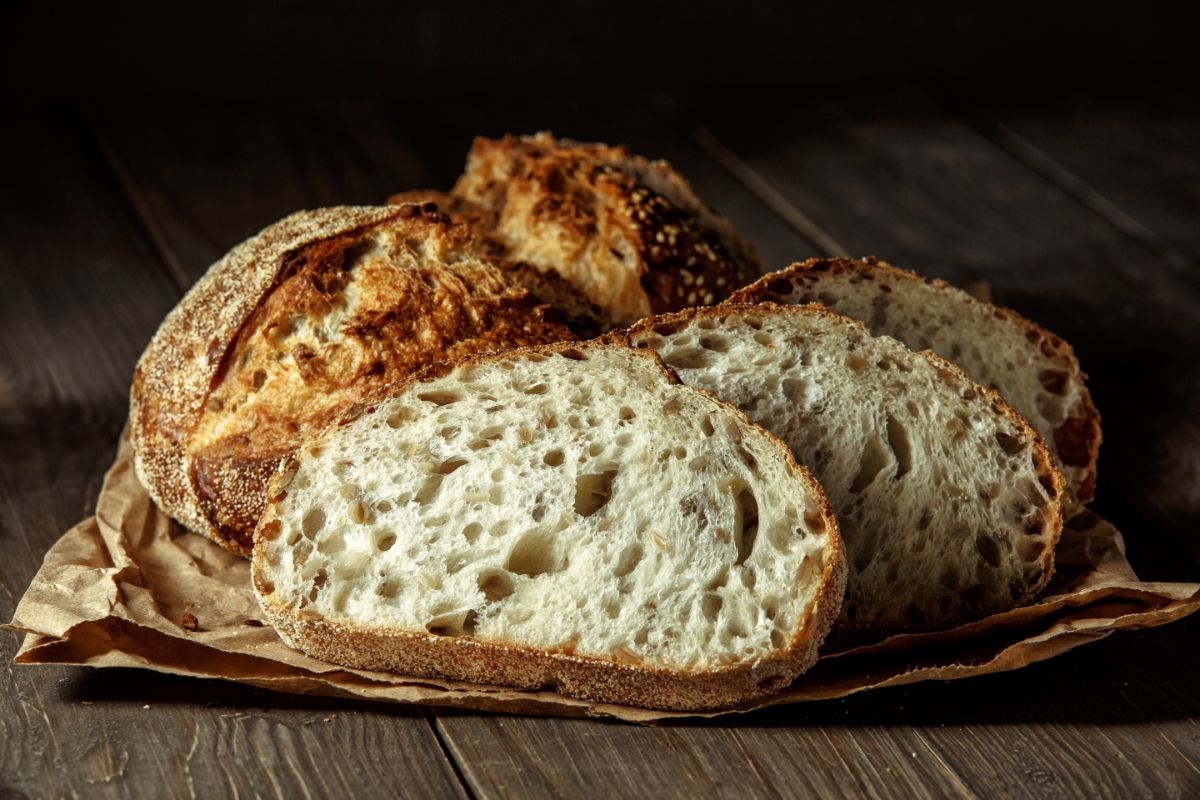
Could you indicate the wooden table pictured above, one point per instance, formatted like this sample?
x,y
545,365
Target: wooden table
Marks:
x,y
1080,214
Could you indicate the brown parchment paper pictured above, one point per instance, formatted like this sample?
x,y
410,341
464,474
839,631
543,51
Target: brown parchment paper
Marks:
x,y
114,591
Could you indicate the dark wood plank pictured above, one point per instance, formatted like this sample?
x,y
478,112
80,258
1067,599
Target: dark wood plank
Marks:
x,y
913,185
84,291
1132,161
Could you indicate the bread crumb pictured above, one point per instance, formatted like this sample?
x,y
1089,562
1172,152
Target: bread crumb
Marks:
x,y
189,622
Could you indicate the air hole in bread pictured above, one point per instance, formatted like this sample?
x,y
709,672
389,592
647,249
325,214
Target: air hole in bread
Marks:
x,y
440,398
429,488
706,426
710,606
988,549
387,588
385,541
745,522
698,464
793,388
680,453
1009,444
595,449
554,458
471,531
313,522
359,513
871,463
1054,381
495,584
626,413
747,458
765,339
447,624
689,358
855,362
534,554
537,388
672,406
718,344
592,491
628,560
897,437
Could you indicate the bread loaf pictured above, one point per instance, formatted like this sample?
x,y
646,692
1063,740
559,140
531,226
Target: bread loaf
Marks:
x,y
290,328
628,233
948,501
1035,370
566,517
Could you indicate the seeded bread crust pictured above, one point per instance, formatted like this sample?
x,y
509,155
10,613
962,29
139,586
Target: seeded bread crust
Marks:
x,y
629,233
1047,471
1076,442
208,469
459,657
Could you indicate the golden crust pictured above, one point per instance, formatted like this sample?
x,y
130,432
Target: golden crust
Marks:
x,y
423,654
629,233
290,328
1049,476
1076,442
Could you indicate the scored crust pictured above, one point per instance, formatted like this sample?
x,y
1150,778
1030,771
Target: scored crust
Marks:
x,y
1045,465
1076,442
209,425
629,233
424,654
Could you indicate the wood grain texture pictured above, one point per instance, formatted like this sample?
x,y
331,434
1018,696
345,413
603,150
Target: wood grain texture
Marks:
x,y
84,291
1133,162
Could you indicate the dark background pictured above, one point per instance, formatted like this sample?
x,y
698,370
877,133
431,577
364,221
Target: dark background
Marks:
x,y
144,52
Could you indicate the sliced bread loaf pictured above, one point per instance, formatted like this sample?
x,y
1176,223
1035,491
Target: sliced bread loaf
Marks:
x,y
1035,370
947,500
564,516
629,233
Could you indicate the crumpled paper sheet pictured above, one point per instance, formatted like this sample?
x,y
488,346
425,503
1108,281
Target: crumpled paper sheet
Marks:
x,y
113,591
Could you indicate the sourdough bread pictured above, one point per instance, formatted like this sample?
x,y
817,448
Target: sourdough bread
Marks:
x,y
1036,371
563,516
629,233
290,328
948,501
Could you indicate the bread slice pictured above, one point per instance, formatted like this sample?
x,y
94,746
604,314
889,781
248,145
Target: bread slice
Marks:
x,y
948,501
290,328
1035,370
629,233
564,517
